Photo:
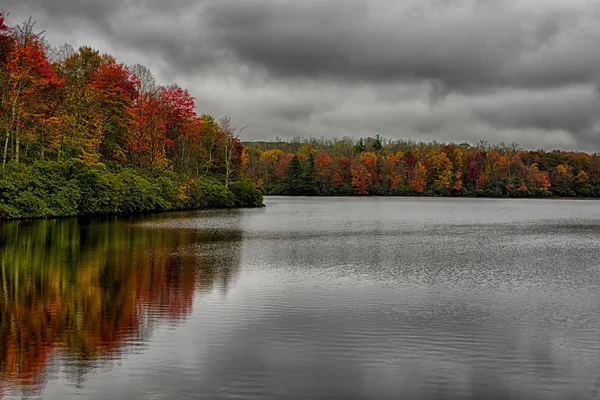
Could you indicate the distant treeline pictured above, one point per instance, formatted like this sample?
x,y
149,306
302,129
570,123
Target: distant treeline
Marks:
x,y
81,133
374,166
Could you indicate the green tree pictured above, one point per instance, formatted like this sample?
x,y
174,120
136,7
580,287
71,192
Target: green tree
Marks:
x,y
359,147
309,177
292,181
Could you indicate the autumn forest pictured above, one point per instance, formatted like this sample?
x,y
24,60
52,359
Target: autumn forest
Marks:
x,y
83,134
374,166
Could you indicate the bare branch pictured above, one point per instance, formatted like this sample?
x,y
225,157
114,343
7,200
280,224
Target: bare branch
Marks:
x,y
24,32
240,131
146,78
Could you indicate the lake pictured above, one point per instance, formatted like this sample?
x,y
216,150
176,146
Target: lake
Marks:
x,y
308,298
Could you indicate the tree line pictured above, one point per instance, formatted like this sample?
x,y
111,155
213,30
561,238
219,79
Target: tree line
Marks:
x,y
87,116
375,166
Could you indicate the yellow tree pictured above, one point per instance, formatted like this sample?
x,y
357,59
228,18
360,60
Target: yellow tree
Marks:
x,y
565,174
538,180
457,156
270,160
583,185
79,111
440,170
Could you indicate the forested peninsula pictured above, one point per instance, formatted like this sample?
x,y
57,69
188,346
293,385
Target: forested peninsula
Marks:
x,y
82,134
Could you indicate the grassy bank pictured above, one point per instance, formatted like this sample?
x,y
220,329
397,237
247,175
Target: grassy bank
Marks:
x,y
47,189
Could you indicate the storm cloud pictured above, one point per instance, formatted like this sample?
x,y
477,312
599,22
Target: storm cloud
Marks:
x,y
449,70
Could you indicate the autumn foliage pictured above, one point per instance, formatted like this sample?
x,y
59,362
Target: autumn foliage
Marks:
x,y
100,110
65,105
372,167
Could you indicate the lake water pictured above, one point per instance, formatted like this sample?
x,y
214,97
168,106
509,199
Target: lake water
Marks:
x,y
308,298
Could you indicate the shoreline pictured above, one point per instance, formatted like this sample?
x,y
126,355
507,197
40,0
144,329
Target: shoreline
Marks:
x,y
440,197
124,215
50,190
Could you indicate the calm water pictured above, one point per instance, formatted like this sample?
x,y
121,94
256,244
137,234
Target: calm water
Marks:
x,y
307,299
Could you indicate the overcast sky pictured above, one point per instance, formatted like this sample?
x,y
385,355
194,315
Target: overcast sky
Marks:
x,y
447,70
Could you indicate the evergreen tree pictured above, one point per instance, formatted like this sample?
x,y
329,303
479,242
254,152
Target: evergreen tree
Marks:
x,y
359,147
292,181
309,177
376,143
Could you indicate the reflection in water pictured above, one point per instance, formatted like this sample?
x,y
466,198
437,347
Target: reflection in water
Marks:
x,y
332,299
82,290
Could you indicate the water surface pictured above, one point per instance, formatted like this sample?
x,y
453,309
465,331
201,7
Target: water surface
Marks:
x,y
308,298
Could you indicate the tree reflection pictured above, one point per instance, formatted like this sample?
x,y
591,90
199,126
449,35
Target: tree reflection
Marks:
x,y
85,290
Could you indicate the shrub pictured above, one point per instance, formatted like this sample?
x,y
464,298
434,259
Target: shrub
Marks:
x,y
64,202
71,188
8,212
247,193
31,205
209,192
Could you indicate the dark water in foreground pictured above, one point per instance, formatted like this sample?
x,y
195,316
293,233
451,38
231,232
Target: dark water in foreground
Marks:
x,y
307,299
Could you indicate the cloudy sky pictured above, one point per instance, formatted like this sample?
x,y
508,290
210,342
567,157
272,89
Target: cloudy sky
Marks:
x,y
447,70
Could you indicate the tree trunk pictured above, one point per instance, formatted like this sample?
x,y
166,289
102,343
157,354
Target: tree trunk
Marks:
x,y
5,149
17,144
10,126
210,153
227,161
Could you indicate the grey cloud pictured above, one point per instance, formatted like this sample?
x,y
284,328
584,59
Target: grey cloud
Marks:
x,y
572,110
349,43
548,29
463,49
61,12
295,112
449,70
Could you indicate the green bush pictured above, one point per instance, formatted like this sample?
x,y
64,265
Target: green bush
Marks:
x,y
347,190
31,205
8,212
378,190
139,194
8,190
88,179
209,193
167,184
247,193
71,188
64,202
